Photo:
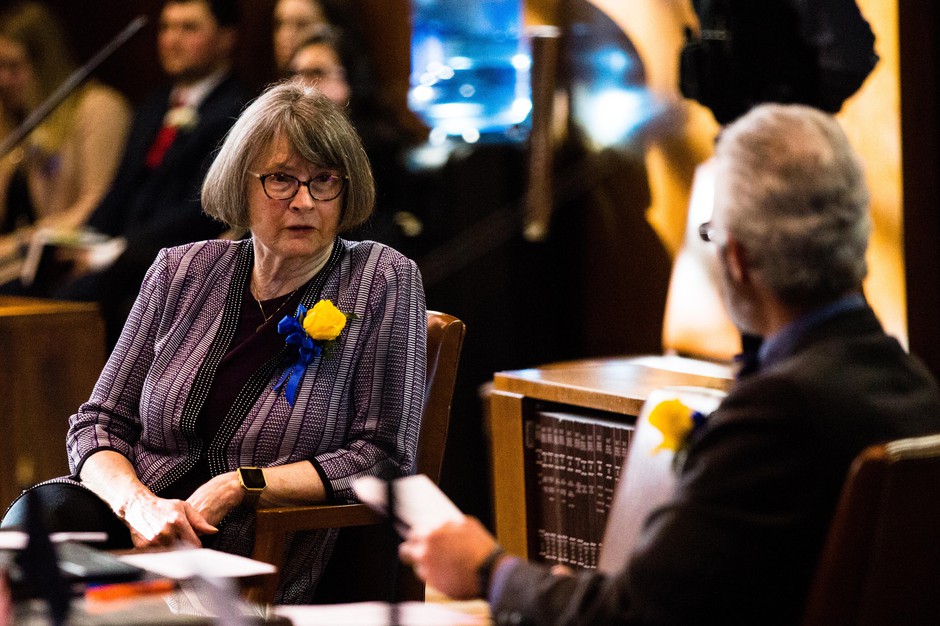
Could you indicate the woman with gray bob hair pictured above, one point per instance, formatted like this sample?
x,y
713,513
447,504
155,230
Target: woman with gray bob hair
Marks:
x,y
316,129
270,371
794,195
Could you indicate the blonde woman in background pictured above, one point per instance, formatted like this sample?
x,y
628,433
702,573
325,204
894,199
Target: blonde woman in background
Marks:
x,y
59,173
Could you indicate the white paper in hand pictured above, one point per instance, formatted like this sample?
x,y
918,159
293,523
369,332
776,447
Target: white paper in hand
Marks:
x,y
419,503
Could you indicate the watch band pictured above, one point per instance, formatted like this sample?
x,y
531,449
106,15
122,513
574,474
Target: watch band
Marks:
x,y
485,571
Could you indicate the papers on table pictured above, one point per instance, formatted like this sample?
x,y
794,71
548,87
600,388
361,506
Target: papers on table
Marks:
x,y
17,539
175,564
419,503
202,562
377,614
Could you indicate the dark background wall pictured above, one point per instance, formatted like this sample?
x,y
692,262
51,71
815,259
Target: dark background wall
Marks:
x,y
920,130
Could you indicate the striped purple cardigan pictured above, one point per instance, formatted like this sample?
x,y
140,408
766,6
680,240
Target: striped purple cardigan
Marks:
x,y
357,412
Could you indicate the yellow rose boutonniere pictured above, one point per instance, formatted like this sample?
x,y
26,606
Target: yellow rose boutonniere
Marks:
x,y
324,322
675,421
311,334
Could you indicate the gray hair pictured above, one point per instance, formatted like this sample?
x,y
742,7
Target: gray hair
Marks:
x,y
793,193
314,127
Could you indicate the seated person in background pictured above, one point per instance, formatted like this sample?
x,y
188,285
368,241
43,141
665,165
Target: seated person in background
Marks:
x,y
207,377
320,61
59,173
739,540
294,21
330,61
154,200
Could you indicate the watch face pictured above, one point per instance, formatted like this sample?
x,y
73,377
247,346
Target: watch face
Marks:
x,y
252,477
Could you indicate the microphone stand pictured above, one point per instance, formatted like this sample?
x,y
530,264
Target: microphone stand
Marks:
x,y
68,86
394,612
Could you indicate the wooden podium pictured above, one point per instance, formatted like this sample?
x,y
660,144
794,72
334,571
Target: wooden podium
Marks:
x,y
607,391
52,353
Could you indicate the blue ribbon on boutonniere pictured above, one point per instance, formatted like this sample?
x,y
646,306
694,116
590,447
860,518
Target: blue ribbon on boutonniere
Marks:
x,y
307,350
310,335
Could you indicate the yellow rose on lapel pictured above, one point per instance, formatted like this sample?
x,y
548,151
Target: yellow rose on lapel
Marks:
x,y
674,420
324,322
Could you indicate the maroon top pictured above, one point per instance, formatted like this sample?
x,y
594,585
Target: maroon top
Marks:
x,y
255,342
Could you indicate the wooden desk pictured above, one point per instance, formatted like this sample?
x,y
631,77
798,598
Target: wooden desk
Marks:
x,y
614,389
51,354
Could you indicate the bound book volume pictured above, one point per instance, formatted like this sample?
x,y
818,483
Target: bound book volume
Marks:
x,y
572,466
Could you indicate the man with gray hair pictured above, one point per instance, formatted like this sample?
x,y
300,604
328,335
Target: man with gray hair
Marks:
x,y
739,539
791,204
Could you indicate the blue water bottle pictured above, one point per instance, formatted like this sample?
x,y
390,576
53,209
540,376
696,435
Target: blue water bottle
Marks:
x,y
470,69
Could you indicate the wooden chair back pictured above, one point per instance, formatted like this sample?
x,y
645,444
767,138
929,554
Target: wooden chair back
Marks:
x,y
881,560
445,339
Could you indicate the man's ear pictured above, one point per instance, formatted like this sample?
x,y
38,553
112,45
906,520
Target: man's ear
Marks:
x,y
737,261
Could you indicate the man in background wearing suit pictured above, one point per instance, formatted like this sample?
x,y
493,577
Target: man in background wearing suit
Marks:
x,y
154,200
739,539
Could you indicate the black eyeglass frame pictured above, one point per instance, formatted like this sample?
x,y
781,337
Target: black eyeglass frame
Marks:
x,y
305,183
318,73
707,233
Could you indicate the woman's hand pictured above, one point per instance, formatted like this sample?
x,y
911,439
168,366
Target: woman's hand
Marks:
x,y
152,521
156,521
216,498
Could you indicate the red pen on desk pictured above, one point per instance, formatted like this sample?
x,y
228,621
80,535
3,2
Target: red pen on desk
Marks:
x,y
120,591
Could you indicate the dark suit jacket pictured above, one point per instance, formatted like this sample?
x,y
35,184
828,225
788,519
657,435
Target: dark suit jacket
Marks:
x,y
739,541
159,208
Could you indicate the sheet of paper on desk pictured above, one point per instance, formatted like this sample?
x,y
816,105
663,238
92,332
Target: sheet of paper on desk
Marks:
x,y
182,564
377,614
419,502
17,539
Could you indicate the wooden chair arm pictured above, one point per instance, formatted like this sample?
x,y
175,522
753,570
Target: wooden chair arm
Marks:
x,y
273,524
285,519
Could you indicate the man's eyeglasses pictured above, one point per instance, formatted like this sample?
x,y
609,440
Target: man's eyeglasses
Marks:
x,y
708,233
279,186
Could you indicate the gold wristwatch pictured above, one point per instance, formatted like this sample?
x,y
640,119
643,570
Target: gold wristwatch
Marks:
x,y
252,481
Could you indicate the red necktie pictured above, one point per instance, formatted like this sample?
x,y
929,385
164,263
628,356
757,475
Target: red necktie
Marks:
x,y
163,140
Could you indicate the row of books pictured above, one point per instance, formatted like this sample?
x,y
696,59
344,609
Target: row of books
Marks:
x,y
573,463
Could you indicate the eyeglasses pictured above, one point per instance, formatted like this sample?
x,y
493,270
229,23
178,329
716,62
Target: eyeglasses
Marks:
x,y
314,74
707,232
280,186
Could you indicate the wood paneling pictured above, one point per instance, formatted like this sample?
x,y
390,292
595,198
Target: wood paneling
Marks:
x,y
50,356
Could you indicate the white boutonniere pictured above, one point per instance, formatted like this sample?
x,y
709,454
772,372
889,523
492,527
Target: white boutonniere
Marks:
x,y
181,117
